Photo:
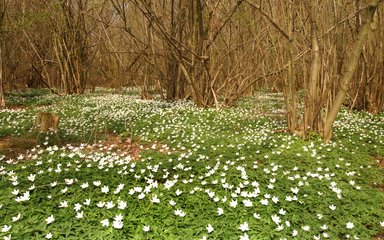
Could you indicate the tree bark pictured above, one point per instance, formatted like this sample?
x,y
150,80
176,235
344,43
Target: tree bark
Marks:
x,y
2,16
351,66
46,121
290,83
2,98
312,116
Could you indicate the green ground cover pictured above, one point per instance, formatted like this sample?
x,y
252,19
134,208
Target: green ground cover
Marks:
x,y
198,173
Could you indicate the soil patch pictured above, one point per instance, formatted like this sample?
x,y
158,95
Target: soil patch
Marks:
x,y
379,160
379,237
16,107
12,147
114,143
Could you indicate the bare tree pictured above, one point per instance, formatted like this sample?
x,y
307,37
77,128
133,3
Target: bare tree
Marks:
x,y
313,96
351,66
3,7
69,39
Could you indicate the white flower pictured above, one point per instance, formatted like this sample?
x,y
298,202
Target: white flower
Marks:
x,y
264,201
276,219
209,228
155,199
80,215
77,207
172,203
105,222
275,199
97,183
382,224
244,227
84,185
64,190
220,211
179,212
23,198
141,196
117,191
146,228
16,218
118,218
294,233
117,224
9,237
87,202
178,192
256,215
233,203
350,225
105,189
210,193
68,181
295,190
332,207
247,203
282,211
287,223
100,204
31,177
279,228
244,237
122,205
63,204
306,228
49,235
110,205
50,219
324,227
6,228
15,191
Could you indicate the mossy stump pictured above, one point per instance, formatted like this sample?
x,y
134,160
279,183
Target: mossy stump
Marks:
x,y
46,126
46,121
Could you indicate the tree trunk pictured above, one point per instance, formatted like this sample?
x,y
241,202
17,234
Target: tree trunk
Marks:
x,y
2,14
351,66
46,121
2,98
290,83
312,116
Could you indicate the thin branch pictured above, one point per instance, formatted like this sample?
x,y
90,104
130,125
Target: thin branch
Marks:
x,y
269,18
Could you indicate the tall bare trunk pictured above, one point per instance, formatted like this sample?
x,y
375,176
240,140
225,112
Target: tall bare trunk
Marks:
x,y
2,15
312,117
290,82
2,98
351,66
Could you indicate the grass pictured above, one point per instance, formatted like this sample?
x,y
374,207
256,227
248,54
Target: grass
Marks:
x,y
224,169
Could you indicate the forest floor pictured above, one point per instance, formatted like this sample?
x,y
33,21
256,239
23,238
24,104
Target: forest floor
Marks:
x,y
122,168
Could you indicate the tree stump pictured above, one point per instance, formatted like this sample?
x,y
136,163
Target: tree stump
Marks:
x,y
46,121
